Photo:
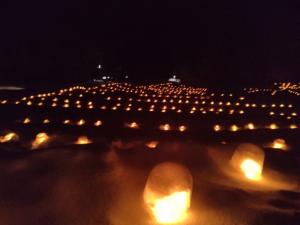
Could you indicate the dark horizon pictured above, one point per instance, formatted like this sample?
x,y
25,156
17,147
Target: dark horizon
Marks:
x,y
205,42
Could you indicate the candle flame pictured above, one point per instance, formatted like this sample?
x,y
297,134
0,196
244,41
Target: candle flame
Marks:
x,y
172,208
251,169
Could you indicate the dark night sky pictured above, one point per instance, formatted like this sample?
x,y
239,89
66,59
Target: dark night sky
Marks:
x,y
205,41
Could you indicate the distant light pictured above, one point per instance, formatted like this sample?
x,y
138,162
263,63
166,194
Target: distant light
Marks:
x,y
66,122
250,126
132,125
279,143
165,127
40,139
9,137
98,123
46,121
234,128
182,128
83,140
152,144
81,122
273,126
26,121
217,128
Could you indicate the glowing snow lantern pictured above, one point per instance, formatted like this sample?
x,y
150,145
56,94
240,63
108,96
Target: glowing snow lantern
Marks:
x,y
132,125
40,139
250,126
9,137
66,122
81,122
182,128
293,126
46,121
279,143
217,128
152,144
168,191
26,121
234,128
273,126
83,140
165,127
249,159
98,123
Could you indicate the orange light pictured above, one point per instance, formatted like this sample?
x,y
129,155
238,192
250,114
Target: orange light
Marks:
x,y
250,126
152,144
251,169
40,139
132,125
66,122
81,122
249,160
165,127
167,193
26,121
234,128
182,128
9,137
279,143
83,140
217,128
98,123
273,126
46,121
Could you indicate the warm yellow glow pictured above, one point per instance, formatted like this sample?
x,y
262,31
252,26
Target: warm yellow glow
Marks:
x,y
26,120
250,126
81,122
98,123
251,169
293,126
66,122
83,140
165,127
279,143
248,159
152,144
132,125
273,126
167,193
46,121
9,137
40,139
217,128
172,208
234,128
182,128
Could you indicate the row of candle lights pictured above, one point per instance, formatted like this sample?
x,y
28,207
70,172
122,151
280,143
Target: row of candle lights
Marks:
x,y
168,127
164,109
